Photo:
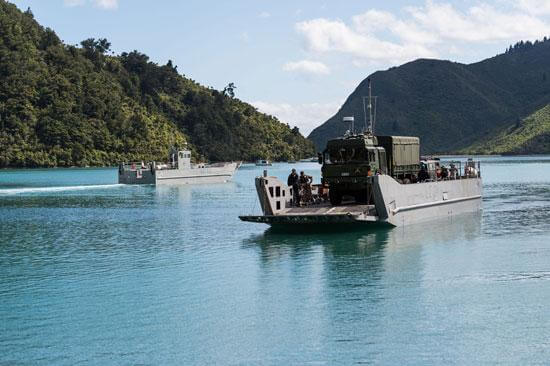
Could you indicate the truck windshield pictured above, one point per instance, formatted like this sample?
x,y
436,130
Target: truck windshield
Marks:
x,y
346,155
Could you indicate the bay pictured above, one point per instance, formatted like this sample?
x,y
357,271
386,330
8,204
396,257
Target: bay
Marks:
x,y
92,272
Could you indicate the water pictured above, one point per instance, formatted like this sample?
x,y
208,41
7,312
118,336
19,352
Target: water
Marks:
x,y
92,272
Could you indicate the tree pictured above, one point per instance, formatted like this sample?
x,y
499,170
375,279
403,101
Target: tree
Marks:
x,y
135,62
102,45
94,49
230,90
29,13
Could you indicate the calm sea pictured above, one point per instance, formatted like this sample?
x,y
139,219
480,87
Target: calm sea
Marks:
x,y
96,273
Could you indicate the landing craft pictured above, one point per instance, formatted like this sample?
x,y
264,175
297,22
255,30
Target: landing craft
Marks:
x,y
178,170
368,179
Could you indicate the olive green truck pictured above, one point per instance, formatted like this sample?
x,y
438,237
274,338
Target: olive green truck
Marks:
x,y
348,163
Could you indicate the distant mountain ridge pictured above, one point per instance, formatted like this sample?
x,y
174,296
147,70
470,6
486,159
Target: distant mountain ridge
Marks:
x,y
62,105
450,105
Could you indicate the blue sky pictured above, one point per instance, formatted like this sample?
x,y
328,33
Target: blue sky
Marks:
x,y
297,60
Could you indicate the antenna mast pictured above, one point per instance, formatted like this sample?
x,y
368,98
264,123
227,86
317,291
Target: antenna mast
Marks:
x,y
369,125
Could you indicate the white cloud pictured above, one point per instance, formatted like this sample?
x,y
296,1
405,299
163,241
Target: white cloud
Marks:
x,y
375,20
424,31
106,4
306,116
103,4
307,66
323,35
72,3
264,14
535,7
481,23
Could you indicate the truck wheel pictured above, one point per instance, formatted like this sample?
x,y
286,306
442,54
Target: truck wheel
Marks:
x,y
335,197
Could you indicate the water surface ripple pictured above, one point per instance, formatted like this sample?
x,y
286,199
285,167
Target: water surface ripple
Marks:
x,y
92,272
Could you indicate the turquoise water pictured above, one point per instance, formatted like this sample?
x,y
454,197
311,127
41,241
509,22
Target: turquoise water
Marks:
x,y
92,272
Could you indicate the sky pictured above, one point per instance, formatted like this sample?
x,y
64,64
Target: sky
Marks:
x,y
297,60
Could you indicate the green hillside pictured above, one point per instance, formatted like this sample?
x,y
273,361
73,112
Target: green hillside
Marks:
x,y
528,136
62,105
450,105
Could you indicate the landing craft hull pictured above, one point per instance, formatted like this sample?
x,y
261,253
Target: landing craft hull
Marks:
x,y
215,174
395,204
404,204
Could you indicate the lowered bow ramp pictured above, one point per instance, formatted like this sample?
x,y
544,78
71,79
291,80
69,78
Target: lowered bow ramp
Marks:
x,y
321,214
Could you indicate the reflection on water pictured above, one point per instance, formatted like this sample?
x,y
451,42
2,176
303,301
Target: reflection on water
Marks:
x,y
363,240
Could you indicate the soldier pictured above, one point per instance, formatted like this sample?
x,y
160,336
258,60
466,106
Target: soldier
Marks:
x,y
423,174
444,172
292,181
453,171
305,185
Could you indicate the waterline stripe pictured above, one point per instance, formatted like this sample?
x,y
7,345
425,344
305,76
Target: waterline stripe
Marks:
x,y
431,204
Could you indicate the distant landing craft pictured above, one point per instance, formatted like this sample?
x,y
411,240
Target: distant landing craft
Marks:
x,y
179,170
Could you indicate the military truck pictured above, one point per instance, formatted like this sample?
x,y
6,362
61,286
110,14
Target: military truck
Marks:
x,y
350,161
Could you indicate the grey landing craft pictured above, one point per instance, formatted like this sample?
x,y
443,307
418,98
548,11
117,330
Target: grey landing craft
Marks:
x,y
372,180
179,170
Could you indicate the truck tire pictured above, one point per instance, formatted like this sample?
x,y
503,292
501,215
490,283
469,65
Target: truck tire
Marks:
x,y
335,197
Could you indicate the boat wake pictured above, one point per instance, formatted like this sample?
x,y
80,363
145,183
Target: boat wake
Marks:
x,y
14,191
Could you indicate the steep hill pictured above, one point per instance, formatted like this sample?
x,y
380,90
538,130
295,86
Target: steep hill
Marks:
x,y
528,136
452,105
62,105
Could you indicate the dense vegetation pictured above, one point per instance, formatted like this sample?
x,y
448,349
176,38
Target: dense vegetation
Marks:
x,y
528,136
62,105
452,105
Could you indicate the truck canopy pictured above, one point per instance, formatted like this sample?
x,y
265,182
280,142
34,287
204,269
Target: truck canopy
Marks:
x,y
403,152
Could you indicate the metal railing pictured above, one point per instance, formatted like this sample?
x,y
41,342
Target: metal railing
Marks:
x,y
454,169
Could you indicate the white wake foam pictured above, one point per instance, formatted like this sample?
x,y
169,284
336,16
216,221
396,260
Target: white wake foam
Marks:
x,y
10,191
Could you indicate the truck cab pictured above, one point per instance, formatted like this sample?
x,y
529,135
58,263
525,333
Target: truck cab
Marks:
x,y
350,162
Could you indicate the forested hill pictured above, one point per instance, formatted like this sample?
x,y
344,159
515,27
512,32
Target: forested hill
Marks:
x,y
62,105
530,135
450,105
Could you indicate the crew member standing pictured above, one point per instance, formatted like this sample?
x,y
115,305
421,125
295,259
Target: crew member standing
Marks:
x,y
292,181
305,184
